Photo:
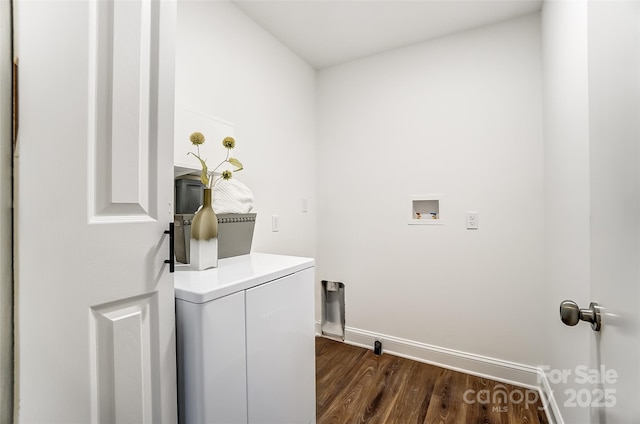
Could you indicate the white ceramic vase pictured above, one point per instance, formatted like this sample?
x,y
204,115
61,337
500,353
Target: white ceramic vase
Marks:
x,y
203,254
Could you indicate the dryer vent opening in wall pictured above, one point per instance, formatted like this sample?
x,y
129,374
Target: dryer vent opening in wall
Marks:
x,y
333,309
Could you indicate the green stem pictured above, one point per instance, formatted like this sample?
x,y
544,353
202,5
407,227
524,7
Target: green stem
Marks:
x,y
216,168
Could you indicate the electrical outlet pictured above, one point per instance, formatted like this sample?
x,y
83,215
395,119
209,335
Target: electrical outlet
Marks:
x,y
472,220
275,223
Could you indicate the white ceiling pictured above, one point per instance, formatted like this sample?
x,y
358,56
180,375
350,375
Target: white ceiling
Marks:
x,y
329,32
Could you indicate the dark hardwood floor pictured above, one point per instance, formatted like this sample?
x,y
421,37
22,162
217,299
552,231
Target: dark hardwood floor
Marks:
x,y
355,386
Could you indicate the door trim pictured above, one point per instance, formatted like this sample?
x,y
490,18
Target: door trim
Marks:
x,y
6,216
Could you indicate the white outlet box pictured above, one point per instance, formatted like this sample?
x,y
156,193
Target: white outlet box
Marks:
x,y
425,209
275,223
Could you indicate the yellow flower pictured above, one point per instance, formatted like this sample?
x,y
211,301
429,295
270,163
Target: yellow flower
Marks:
x,y
207,176
196,138
229,142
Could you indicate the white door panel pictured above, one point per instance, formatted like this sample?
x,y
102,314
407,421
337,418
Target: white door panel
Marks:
x,y
614,98
592,151
95,304
121,118
123,360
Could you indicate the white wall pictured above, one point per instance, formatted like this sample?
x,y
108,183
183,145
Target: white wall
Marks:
x,y
229,67
566,201
461,116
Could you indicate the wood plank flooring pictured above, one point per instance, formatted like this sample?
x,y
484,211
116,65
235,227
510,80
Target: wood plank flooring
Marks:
x,y
355,386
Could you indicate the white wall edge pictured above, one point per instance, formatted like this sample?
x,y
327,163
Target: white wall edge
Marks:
x,y
526,376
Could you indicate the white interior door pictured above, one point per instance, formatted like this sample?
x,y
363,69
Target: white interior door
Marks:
x,y
95,305
614,117
592,160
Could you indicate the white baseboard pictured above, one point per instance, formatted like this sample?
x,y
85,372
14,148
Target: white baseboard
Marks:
x,y
525,376
551,406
